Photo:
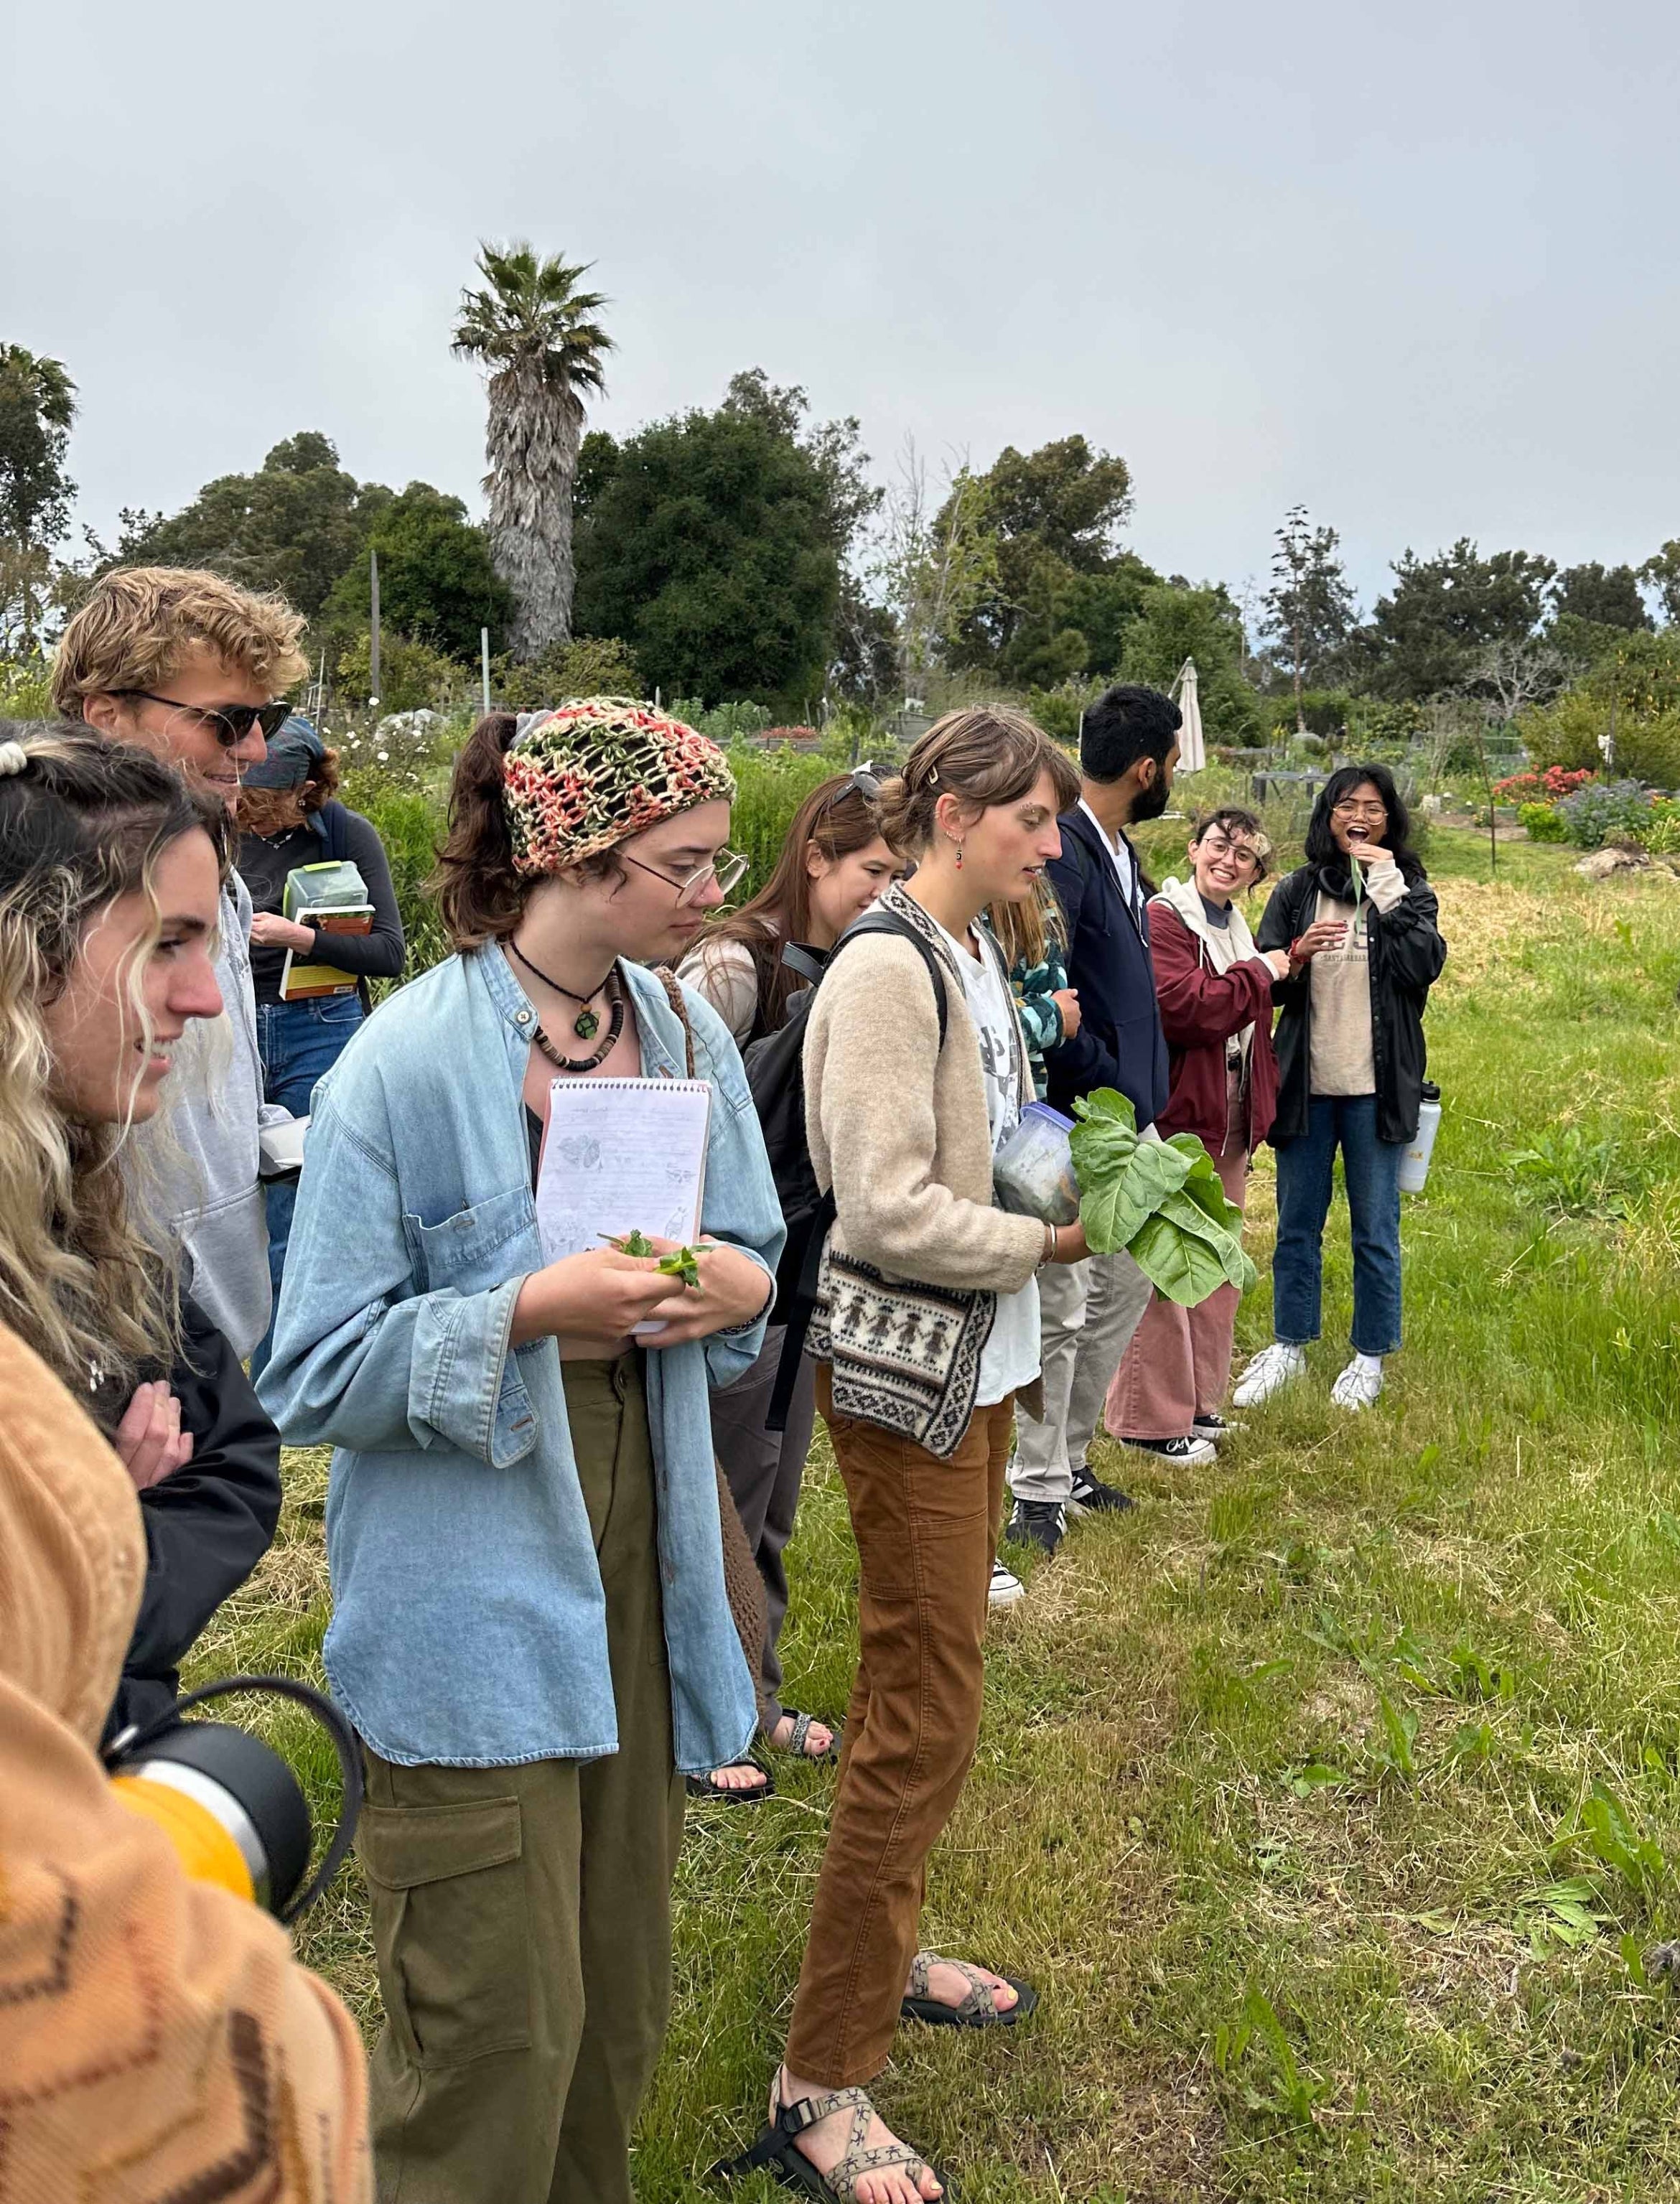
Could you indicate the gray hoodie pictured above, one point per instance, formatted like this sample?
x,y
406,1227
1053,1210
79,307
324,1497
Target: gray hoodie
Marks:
x,y
206,1193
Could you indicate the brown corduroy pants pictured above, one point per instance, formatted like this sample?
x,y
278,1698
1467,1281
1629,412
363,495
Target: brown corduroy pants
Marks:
x,y
926,1533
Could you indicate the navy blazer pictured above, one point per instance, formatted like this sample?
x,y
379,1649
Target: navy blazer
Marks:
x,y
1119,1042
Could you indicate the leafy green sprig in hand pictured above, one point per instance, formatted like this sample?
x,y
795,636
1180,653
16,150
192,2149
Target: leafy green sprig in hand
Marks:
x,y
682,1263
1162,1200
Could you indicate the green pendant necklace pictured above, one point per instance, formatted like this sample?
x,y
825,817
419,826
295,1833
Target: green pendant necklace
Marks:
x,y
586,1024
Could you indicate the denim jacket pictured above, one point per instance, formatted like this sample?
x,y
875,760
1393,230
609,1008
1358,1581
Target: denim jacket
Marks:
x,y
470,1625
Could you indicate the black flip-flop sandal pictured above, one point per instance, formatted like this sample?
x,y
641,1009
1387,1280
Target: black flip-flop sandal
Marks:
x,y
708,1786
795,1746
776,2153
978,2008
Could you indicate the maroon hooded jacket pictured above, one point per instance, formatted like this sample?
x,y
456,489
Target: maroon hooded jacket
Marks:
x,y
1200,1009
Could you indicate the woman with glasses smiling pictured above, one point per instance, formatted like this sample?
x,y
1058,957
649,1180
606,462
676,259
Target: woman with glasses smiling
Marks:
x,y
1214,988
530,1631
1358,923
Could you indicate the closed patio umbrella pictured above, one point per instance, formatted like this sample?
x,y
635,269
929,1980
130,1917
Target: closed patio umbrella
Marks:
x,y
1192,751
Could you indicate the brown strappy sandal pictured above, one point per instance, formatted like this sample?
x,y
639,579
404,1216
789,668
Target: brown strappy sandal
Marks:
x,y
776,2153
979,2008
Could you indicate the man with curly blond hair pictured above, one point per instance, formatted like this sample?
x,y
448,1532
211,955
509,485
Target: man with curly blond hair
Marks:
x,y
193,668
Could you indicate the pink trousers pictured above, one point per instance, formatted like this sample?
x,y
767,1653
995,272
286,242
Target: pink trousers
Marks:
x,y
1178,1364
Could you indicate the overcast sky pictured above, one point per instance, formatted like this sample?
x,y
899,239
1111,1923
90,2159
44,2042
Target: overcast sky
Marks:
x,y
1413,267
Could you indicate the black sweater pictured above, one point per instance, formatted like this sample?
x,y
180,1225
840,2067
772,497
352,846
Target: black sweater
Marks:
x,y
209,1525
1406,956
264,860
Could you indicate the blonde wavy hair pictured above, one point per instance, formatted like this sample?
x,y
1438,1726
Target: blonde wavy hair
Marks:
x,y
140,622
82,823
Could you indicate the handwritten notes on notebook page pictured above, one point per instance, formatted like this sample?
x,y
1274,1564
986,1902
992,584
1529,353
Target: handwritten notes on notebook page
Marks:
x,y
621,1155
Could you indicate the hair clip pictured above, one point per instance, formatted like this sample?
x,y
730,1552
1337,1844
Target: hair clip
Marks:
x,y
932,779
14,758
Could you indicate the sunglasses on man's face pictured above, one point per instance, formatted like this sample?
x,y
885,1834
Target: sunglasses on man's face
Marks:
x,y
230,723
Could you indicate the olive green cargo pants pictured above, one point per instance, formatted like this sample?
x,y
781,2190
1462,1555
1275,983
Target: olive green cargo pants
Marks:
x,y
521,1916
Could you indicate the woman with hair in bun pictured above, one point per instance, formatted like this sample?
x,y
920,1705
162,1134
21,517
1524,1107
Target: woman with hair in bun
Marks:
x,y
926,1329
833,865
531,1628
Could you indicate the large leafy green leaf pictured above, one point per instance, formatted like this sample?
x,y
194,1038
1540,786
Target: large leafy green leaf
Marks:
x,y
1164,1196
1207,1190
1179,1208
1107,1104
1180,1265
1118,1193
1112,1203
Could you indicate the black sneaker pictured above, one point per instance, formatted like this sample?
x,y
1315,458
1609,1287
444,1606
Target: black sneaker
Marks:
x,y
1184,1451
1214,1427
1091,1496
1036,1523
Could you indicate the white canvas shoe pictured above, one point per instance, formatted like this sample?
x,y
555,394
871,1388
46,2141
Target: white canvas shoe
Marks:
x,y
1359,1384
1005,1587
1271,1370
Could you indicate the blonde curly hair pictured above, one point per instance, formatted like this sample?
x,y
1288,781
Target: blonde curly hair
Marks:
x,y
140,622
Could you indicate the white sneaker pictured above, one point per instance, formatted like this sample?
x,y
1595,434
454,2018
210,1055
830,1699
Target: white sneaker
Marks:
x,y
1358,1385
1271,1370
1005,1587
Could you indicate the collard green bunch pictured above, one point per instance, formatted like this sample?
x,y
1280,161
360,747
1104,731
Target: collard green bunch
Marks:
x,y
1162,1200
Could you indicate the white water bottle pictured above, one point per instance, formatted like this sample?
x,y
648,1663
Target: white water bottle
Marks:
x,y
1414,1164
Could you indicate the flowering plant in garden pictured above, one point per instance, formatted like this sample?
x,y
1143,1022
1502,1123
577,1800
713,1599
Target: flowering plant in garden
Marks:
x,y
403,749
1549,786
1594,813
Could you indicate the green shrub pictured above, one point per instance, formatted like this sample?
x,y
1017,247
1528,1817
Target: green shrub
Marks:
x,y
1542,822
1604,810
771,785
412,675
411,827
1660,835
1058,710
587,666
25,689
724,723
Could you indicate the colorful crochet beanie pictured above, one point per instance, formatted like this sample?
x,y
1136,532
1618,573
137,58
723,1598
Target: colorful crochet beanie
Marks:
x,y
598,770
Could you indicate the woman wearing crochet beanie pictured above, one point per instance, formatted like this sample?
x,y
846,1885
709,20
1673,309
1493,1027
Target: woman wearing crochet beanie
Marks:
x,y
530,1632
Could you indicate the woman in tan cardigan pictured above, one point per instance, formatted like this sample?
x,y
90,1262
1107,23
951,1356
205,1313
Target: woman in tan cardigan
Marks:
x,y
926,1329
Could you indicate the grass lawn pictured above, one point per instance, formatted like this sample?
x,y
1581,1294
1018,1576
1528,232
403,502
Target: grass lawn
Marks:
x,y
1330,1796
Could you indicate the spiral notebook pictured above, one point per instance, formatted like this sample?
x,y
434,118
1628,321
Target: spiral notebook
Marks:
x,y
621,1155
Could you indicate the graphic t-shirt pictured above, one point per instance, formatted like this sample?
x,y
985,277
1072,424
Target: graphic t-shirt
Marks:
x,y
1010,1359
1339,1057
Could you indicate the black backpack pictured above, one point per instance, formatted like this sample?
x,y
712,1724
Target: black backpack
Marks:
x,y
775,1075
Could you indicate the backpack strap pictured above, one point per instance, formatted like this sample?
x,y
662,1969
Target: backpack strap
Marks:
x,y
883,922
822,1217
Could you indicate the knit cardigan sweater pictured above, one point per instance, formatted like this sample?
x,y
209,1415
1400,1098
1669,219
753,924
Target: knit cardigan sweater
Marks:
x,y
157,2040
898,1126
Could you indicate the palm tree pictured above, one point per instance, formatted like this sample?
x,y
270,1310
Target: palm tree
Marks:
x,y
530,331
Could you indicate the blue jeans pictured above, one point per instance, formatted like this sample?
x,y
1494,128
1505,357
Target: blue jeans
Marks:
x,y
297,1043
1371,1170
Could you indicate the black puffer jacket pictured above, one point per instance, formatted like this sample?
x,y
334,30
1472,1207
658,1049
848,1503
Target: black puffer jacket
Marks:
x,y
209,1525
1406,957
